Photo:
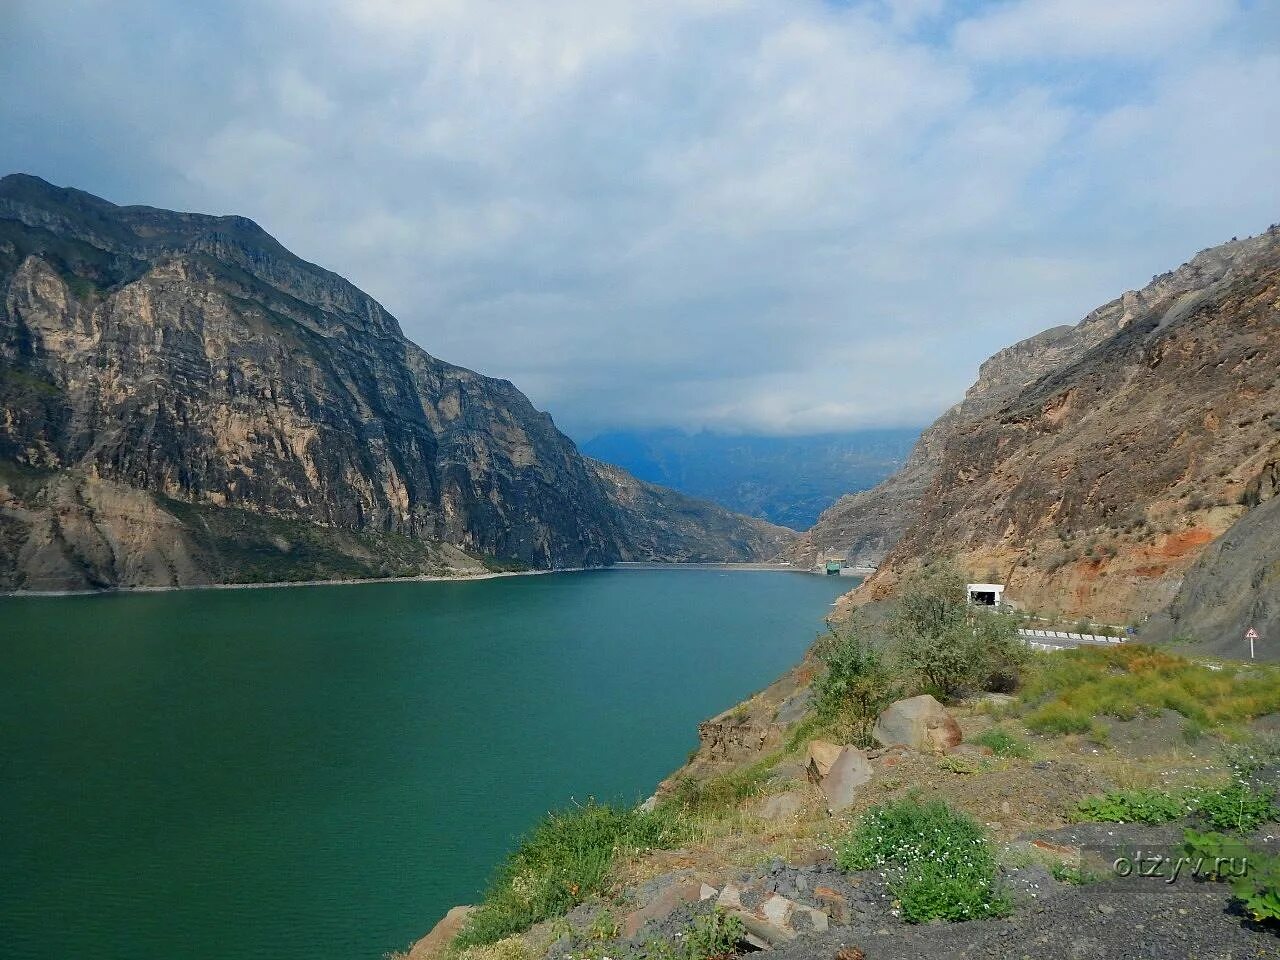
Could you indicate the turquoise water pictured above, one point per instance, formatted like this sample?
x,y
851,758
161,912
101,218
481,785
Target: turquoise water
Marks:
x,y
320,772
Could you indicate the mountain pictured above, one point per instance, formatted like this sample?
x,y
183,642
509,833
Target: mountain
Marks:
x,y
1090,467
786,480
1235,584
183,400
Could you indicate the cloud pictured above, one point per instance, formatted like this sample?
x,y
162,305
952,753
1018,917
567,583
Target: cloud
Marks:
x,y
746,215
1132,29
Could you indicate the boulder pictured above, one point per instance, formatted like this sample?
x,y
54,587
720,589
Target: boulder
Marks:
x,y
662,897
441,935
833,903
777,920
921,723
792,710
848,774
820,757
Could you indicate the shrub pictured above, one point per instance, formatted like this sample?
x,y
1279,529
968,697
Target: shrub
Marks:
x,y
1135,806
1254,874
951,646
1003,743
715,935
1259,889
939,862
857,684
1237,807
561,862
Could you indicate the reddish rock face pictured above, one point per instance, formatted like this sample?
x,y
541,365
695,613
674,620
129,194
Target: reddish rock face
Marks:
x,y
1092,465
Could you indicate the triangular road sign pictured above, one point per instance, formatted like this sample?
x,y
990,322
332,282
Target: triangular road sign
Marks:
x,y
1252,634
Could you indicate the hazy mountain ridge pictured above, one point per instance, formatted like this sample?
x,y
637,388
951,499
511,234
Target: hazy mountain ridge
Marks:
x,y
786,480
149,357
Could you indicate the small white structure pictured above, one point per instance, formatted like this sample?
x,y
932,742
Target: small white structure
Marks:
x,y
986,594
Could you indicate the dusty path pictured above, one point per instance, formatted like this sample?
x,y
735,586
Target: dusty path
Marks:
x,y
1112,920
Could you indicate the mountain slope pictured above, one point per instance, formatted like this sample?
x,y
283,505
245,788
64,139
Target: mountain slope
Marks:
x,y
1095,488
866,525
150,358
1234,586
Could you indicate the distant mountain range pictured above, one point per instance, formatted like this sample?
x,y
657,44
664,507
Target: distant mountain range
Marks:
x,y
184,401
786,480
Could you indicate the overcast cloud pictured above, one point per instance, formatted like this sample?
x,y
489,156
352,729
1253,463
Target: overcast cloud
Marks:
x,y
766,216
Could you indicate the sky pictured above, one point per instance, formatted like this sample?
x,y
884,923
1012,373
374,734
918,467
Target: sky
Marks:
x,y
768,217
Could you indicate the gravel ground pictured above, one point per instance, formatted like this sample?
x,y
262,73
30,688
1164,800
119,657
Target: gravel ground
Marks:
x,y
1112,920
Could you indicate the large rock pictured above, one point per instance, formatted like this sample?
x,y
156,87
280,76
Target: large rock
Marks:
x,y
821,757
775,919
921,723
441,935
850,772
665,902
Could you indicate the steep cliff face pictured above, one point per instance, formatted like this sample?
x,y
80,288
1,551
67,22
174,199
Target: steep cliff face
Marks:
x,y
865,526
1094,489
193,360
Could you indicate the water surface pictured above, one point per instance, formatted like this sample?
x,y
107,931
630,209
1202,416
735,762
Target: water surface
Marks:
x,y
319,772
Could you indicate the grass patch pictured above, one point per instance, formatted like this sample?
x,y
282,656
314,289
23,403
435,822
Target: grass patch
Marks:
x,y
939,861
715,796
563,861
715,935
1135,806
1004,744
1067,691
1237,806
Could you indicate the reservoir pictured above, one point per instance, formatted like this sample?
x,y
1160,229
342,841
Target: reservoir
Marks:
x,y
320,772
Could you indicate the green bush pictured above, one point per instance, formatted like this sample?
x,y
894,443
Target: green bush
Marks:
x,y
856,685
715,935
939,862
1254,874
1135,806
1003,743
951,646
564,860
1238,807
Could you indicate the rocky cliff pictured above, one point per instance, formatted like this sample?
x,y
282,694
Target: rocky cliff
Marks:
x,y
182,400
1094,487
865,526
1234,586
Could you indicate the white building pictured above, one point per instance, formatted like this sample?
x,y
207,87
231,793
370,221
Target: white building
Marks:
x,y
986,594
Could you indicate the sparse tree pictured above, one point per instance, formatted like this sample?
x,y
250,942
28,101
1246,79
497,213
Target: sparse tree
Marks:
x,y
857,684
952,646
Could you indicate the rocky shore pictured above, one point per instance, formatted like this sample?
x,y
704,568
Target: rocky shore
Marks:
x,y
767,857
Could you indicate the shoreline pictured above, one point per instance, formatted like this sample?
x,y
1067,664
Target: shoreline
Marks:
x,y
359,581
426,578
